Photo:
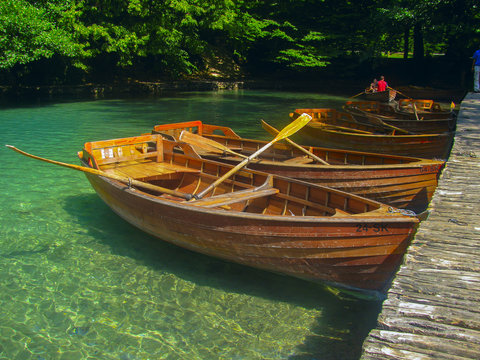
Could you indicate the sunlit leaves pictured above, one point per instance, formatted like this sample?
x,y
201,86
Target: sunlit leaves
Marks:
x,y
28,34
301,58
177,34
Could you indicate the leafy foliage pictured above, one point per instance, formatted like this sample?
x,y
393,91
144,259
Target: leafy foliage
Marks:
x,y
177,36
29,33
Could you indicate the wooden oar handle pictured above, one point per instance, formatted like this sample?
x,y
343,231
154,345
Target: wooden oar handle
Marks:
x,y
122,179
354,96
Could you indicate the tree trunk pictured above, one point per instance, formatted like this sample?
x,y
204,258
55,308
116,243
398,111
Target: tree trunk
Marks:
x,y
406,42
418,48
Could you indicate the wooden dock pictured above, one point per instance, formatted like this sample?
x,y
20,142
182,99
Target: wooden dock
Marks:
x,y
433,307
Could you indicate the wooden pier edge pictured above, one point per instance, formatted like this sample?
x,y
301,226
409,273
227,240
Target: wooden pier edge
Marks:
x,y
432,310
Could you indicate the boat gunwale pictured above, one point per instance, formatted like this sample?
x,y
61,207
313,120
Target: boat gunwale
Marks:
x,y
417,164
400,136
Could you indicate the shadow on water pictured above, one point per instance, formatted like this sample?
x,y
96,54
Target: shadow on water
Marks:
x,y
339,333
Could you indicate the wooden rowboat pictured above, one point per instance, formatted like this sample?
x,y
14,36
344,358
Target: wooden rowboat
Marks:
x,y
410,109
372,112
330,128
253,218
403,182
424,109
265,221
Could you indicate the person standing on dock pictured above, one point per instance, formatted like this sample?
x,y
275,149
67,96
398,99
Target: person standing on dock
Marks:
x,y
476,71
382,84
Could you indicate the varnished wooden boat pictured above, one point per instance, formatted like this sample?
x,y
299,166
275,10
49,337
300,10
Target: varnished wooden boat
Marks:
x,y
373,112
403,182
381,96
331,128
424,109
253,218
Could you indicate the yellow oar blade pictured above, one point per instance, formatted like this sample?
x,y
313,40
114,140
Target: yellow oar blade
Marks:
x,y
293,127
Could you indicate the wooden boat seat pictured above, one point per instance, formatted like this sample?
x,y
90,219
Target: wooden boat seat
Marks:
x,y
265,189
234,197
298,160
205,152
147,170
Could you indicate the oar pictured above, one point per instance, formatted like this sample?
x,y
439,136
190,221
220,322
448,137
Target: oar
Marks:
x,y
290,129
342,128
384,124
206,144
274,131
354,96
398,92
122,179
415,110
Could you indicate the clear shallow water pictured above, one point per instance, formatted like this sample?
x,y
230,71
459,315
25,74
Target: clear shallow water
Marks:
x,y
78,282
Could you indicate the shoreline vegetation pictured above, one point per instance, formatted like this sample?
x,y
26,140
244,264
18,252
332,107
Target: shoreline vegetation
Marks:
x,y
158,88
412,78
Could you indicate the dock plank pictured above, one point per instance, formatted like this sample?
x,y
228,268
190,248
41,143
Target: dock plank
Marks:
x,y
432,308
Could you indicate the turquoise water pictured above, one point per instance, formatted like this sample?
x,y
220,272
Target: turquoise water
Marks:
x,y
77,282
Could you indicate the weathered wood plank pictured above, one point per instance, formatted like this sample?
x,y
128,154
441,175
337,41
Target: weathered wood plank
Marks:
x,y
429,344
442,315
384,349
430,328
457,302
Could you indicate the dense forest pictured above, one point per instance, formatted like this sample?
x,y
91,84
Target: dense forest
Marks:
x,y
79,41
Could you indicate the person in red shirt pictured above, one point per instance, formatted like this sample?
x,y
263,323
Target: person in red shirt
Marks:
x,y
382,84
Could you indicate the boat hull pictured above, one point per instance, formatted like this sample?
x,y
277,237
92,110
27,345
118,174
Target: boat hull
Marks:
x,y
427,126
371,113
330,128
428,146
356,253
381,96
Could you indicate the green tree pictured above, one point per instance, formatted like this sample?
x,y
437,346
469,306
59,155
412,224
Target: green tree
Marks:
x,y
29,33
178,37
436,25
